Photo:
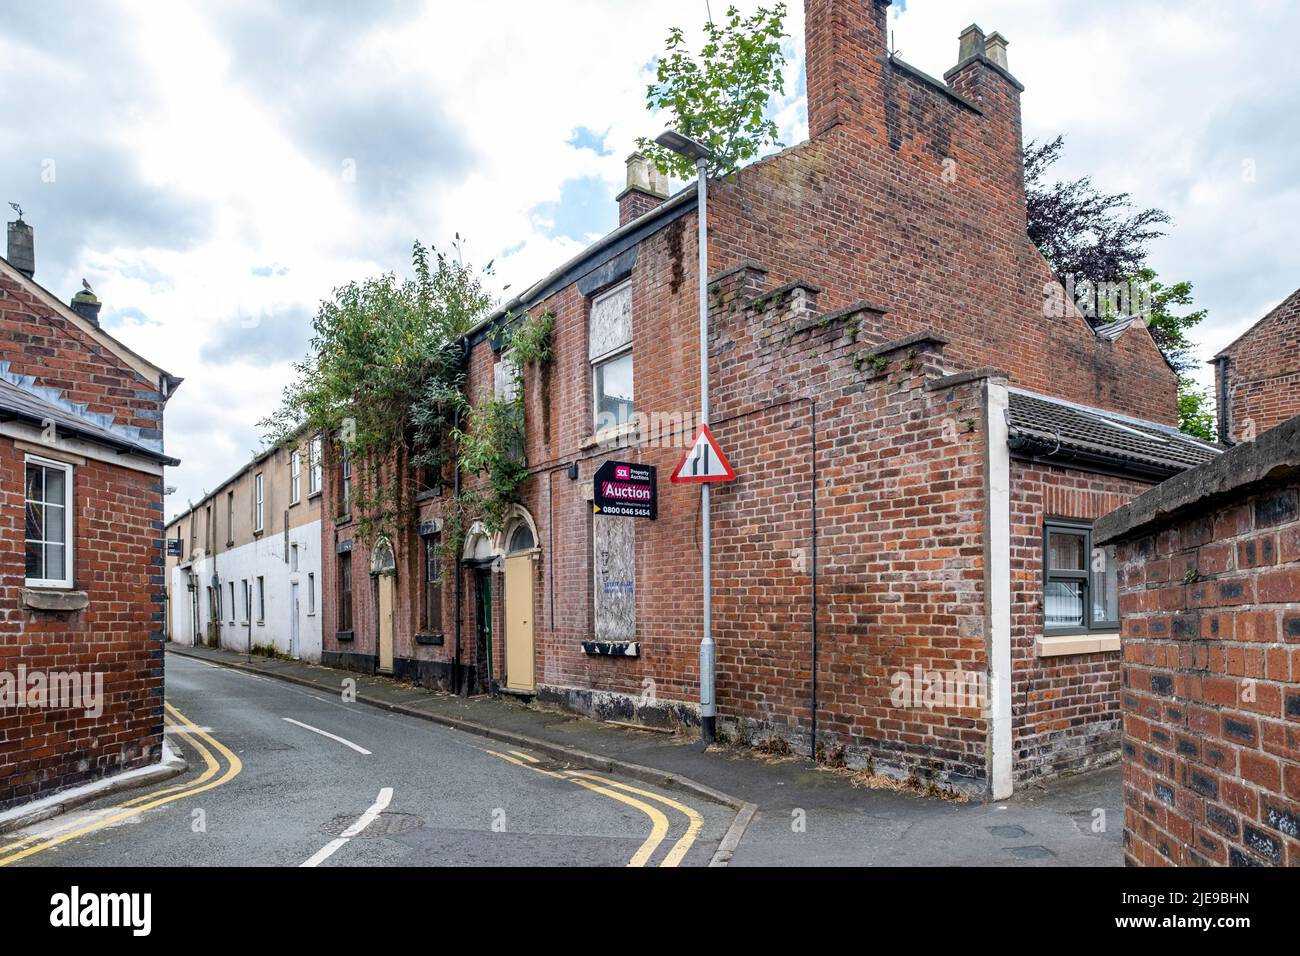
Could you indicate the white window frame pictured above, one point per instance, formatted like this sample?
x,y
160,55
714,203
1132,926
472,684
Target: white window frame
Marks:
x,y
311,594
345,478
68,519
232,602
259,503
619,351
248,600
261,599
313,466
295,477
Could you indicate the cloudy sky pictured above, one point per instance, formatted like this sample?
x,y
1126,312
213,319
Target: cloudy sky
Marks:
x,y
215,169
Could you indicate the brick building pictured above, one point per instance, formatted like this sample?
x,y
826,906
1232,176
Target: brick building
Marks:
x,y
81,585
243,563
913,434
1257,377
1209,575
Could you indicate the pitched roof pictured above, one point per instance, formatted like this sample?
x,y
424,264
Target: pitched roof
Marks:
x,y
19,403
1054,429
1292,300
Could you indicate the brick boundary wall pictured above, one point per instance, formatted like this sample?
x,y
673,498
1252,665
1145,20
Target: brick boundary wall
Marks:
x,y
1209,569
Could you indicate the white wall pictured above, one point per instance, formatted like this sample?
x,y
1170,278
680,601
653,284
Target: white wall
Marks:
x,y
264,557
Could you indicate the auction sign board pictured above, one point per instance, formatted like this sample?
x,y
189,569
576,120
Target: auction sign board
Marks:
x,y
625,490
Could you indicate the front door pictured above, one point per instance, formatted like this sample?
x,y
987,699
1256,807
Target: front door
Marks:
x,y
483,626
519,623
385,602
293,621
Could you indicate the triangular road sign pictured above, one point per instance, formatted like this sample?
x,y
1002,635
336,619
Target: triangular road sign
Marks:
x,y
705,462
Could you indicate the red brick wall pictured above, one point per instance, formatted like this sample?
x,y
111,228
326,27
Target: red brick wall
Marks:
x,y
35,339
865,212
1264,373
1211,629
914,201
118,563
1065,710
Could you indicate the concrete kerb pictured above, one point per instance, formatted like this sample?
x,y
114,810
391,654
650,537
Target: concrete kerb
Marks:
x,y
726,848
173,764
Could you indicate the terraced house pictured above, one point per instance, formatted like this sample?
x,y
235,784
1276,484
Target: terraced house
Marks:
x,y
243,563
920,452
81,566
1257,377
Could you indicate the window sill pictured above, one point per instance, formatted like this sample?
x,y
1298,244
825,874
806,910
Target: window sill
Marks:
x,y
611,648
1058,645
43,599
610,436
314,494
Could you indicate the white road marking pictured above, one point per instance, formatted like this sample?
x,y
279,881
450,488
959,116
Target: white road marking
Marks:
x,y
325,733
367,818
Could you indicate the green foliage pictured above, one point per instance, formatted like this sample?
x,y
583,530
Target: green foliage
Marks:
x,y
384,372
530,343
1167,328
1195,410
719,98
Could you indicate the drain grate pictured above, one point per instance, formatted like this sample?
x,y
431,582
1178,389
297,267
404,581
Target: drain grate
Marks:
x,y
1008,831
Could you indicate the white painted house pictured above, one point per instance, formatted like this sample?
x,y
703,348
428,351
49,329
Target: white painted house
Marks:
x,y
244,562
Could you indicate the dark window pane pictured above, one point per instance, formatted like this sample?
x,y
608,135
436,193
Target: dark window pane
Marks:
x,y
35,561
35,524
1066,551
1063,604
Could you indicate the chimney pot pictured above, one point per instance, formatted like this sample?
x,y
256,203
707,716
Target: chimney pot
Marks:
x,y
87,305
21,251
995,48
970,43
646,188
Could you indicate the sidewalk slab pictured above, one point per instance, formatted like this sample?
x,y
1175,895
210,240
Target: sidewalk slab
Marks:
x,y
802,814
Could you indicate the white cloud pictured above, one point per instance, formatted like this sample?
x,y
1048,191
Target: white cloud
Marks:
x,y
204,143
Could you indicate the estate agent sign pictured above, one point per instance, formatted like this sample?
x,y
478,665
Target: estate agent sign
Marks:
x,y
624,490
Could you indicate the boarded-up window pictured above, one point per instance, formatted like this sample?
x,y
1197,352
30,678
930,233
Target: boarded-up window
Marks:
x,y
505,378
611,323
613,558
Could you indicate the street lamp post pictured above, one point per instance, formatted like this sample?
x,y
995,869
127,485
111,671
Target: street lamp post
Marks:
x,y
700,155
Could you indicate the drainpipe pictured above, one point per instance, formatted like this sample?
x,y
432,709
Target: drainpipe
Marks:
x,y
813,747
458,682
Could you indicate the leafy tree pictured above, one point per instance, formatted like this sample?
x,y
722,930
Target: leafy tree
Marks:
x,y
719,98
1082,231
1097,237
384,371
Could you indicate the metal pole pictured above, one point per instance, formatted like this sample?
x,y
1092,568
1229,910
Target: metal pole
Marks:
x,y
708,707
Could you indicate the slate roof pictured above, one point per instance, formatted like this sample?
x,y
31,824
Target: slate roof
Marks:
x,y
1051,428
18,403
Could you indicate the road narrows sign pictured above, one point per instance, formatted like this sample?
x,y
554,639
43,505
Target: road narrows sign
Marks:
x,y
704,463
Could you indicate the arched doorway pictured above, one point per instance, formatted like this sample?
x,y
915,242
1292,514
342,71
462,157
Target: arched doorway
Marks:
x,y
383,570
519,546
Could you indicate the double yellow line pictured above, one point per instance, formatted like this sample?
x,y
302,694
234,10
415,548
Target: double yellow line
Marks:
x,y
609,788
195,737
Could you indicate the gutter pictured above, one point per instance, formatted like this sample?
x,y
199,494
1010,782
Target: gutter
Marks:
x,y
94,437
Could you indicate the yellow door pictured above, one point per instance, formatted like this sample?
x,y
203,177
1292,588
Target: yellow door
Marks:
x,y
519,623
386,623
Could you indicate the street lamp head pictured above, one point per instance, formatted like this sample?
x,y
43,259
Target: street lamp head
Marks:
x,y
688,149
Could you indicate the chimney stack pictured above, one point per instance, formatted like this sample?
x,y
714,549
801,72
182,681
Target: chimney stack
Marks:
x,y
995,48
646,189
847,55
970,44
87,305
21,251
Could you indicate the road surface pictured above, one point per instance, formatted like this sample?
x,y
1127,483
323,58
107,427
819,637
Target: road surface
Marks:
x,y
281,775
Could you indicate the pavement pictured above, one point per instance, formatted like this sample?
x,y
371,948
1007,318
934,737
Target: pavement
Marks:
x,y
760,810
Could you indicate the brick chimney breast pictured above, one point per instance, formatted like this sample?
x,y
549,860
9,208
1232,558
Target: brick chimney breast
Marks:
x,y
846,55
646,189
